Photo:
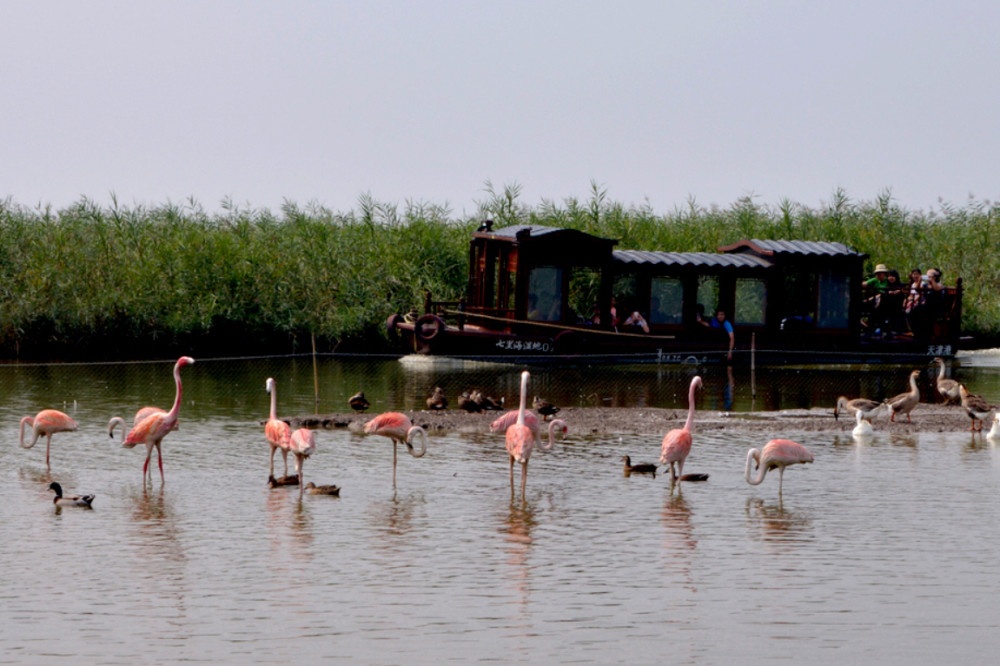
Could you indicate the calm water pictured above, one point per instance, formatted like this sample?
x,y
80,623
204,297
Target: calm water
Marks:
x,y
883,551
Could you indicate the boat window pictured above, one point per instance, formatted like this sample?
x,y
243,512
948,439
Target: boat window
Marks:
x,y
708,293
751,302
584,292
834,300
666,301
545,293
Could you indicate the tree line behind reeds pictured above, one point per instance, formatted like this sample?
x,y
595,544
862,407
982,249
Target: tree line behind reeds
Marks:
x,y
116,281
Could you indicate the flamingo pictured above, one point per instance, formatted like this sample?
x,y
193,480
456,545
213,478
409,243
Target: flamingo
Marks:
x,y
83,501
638,468
677,443
117,421
303,444
864,427
46,422
869,408
520,439
399,429
976,407
778,453
946,388
278,432
157,425
509,418
905,402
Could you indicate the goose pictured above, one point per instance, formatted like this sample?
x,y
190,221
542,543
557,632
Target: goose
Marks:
x,y
869,408
83,501
905,402
977,408
946,388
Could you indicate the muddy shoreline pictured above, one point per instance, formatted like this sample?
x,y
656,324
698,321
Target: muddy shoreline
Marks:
x,y
599,421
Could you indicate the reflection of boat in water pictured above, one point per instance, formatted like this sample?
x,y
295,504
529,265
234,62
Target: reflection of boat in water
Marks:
x,y
546,295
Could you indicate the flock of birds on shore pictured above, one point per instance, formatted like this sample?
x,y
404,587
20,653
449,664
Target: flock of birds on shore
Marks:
x,y
949,391
521,428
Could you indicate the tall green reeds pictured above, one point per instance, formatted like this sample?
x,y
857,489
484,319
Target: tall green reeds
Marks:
x,y
120,280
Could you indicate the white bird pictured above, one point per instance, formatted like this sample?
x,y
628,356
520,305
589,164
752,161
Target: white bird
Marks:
x,y
864,427
994,433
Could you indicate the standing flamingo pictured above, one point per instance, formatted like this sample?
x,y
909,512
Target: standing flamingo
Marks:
x,y
303,444
399,429
677,443
520,439
278,432
509,418
46,422
152,429
778,453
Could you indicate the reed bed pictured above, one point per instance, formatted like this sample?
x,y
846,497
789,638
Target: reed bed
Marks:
x,y
117,281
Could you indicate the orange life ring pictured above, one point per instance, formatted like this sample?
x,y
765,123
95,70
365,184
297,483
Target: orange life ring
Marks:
x,y
428,327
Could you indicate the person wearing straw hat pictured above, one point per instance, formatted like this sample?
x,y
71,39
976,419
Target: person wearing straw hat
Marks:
x,y
875,288
880,283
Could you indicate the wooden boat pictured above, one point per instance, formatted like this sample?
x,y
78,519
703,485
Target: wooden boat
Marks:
x,y
550,295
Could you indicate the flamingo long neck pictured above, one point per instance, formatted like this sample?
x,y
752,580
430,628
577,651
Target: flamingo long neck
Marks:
x,y
27,420
690,419
274,400
524,398
752,456
175,410
555,425
422,434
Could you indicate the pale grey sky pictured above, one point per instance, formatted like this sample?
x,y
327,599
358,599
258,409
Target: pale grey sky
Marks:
x,y
656,101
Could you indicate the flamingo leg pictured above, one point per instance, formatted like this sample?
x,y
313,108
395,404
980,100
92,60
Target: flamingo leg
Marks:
x,y
394,445
48,443
272,460
145,465
284,454
781,478
159,460
524,478
298,470
511,474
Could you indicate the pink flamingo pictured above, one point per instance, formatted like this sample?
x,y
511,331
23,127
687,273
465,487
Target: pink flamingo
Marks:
x,y
510,418
400,430
278,432
158,424
677,443
303,444
117,421
778,453
520,437
46,422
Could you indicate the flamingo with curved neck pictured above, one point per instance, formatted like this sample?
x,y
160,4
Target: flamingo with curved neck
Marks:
x,y
303,444
677,443
778,453
118,422
400,429
46,422
277,432
152,429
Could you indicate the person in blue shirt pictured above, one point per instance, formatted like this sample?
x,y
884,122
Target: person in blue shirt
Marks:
x,y
720,321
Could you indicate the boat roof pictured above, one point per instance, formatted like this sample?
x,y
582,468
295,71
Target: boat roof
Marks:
x,y
689,259
771,248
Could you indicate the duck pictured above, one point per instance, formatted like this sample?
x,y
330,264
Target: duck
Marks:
x,y
905,402
290,480
83,501
437,399
869,408
946,388
489,403
696,477
864,427
976,407
358,402
466,402
313,489
544,407
638,468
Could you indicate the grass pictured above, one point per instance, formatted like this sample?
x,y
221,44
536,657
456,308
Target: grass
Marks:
x,y
114,281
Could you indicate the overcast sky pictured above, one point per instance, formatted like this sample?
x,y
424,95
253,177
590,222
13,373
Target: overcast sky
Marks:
x,y
657,102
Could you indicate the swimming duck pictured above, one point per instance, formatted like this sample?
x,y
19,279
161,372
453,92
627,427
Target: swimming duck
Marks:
x,y
290,480
544,407
83,501
638,468
358,402
313,489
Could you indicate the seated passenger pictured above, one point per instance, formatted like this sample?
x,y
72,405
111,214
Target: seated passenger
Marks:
x,y
637,320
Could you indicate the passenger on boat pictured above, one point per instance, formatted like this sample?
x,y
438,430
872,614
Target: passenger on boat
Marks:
x,y
875,290
892,304
915,304
720,322
636,320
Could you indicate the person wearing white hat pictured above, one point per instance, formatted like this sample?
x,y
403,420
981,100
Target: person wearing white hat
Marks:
x,y
875,287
